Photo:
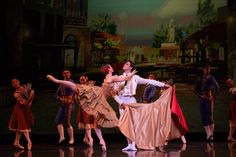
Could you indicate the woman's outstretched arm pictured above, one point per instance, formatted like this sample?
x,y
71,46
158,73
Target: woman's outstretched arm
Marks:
x,y
116,78
68,84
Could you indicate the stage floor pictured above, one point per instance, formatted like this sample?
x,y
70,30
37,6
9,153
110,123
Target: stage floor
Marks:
x,y
173,149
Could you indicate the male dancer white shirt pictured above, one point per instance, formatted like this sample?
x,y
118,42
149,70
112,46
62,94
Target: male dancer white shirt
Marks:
x,y
127,90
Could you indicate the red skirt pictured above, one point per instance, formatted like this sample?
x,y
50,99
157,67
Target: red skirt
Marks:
x,y
21,119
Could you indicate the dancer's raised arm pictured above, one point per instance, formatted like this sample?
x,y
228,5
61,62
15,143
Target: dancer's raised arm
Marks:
x,y
69,84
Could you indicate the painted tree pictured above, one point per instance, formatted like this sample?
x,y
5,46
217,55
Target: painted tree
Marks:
x,y
159,37
104,23
180,33
206,12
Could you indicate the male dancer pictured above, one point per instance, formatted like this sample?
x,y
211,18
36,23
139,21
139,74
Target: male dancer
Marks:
x,y
149,91
126,91
206,88
66,97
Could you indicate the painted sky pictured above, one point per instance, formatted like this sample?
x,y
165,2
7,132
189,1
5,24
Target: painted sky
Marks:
x,y
138,19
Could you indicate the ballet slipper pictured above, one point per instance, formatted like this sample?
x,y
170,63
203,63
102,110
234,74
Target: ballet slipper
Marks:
x,y
127,148
90,144
210,138
17,145
51,78
71,142
231,140
61,142
103,145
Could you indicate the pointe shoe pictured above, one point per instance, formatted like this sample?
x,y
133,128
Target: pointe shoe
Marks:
x,y
71,142
133,148
29,146
17,145
183,140
90,144
103,145
127,148
210,138
51,78
231,140
61,142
